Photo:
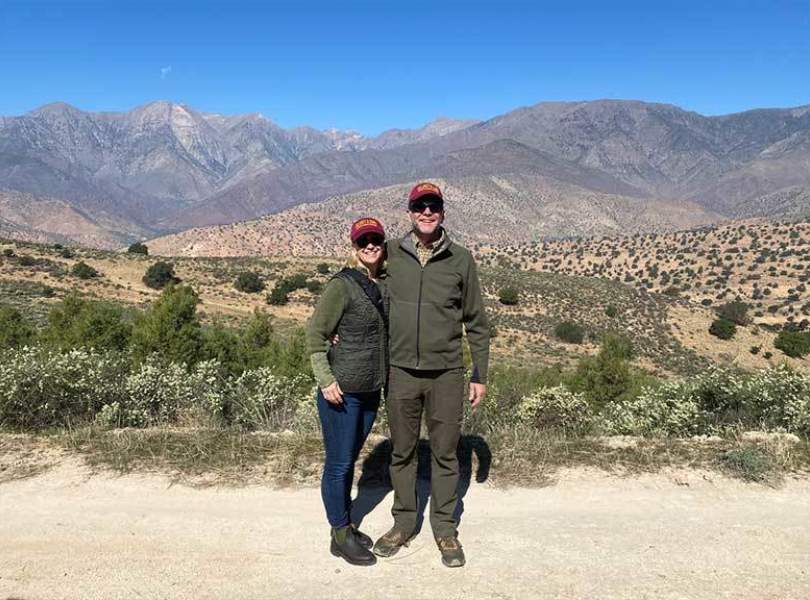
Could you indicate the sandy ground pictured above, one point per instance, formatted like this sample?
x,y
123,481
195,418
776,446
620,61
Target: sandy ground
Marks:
x,y
67,534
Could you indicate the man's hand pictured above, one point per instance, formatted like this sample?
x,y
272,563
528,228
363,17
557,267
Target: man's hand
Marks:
x,y
333,394
477,393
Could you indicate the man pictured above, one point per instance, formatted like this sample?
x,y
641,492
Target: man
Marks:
x,y
434,290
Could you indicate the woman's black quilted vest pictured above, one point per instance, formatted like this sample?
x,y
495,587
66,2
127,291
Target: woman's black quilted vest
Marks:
x,y
359,360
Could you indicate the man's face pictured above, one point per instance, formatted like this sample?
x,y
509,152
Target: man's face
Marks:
x,y
427,213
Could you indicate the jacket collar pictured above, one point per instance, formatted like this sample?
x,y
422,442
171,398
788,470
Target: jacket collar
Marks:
x,y
406,243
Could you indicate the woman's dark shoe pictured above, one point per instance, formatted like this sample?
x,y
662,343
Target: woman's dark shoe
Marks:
x,y
346,545
362,538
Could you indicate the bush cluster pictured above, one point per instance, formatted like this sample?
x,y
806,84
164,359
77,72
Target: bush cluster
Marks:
x,y
248,282
138,248
795,344
42,388
508,296
736,312
83,271
723,329
159,275
169,329
280,294
776,399
570,332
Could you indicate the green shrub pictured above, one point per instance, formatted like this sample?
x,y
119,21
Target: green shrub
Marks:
x,y
795,344
611,311
287,356
608,377
79,323
279,296
248,282
569,332
138,248
8,252
323,268
749,464
67,253
723,329
26,260
15,330
258,331
314,287
736,312
83,271
281,291
159,275
223,345
507,386
296,282
556,408
508,296
170,328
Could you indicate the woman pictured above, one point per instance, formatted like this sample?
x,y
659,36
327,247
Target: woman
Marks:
x,y
350,376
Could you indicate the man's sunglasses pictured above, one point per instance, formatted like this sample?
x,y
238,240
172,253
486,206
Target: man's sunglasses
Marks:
x,y
374,239
420,206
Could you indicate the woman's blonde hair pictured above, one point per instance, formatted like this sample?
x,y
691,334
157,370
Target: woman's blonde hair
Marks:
x,y
352,261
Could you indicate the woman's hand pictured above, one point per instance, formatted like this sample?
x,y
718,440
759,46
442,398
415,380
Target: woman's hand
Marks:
x,y
333,393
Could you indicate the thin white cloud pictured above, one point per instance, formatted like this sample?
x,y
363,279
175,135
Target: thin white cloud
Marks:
x,y
164,71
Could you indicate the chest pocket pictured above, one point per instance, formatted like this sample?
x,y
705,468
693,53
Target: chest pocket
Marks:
x,y
442,287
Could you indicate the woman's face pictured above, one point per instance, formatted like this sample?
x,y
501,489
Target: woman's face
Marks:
x,y
369,248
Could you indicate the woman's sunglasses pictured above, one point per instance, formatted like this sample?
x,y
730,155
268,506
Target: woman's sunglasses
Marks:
x,y
370,238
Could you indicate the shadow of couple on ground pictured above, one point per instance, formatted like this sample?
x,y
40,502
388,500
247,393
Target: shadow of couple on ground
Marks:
x,y
375,480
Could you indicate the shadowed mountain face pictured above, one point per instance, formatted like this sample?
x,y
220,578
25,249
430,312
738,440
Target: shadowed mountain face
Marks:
x,y
165,167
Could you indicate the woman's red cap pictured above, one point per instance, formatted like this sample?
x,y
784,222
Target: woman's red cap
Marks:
x,y
366,225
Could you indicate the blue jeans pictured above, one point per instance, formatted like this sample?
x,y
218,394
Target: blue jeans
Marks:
x,y
345,429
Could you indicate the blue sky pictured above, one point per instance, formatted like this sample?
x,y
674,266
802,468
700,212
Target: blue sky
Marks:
x,y
374,65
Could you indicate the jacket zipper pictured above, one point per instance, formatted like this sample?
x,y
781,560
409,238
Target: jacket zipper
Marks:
x,y
419,313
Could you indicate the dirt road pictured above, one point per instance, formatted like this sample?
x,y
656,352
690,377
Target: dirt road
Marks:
x,y
66,534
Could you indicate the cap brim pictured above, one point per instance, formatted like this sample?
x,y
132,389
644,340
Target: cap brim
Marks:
x,y
358,234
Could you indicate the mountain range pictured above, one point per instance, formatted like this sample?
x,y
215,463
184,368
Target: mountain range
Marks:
x,y
164,168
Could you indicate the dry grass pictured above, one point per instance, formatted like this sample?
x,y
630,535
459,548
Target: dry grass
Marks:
x,y
510,457
200,456
23,456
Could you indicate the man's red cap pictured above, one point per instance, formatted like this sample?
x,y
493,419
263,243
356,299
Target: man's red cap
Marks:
x,y
366,225
424,189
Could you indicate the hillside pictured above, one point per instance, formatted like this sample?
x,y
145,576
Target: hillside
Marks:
x,y
30,218
670,333
495,209
764,264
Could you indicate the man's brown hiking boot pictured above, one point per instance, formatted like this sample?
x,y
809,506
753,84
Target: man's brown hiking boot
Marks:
x,y
390,543
452,552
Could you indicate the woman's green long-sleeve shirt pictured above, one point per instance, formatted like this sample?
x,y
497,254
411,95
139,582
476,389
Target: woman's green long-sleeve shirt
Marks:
x,y
330,308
